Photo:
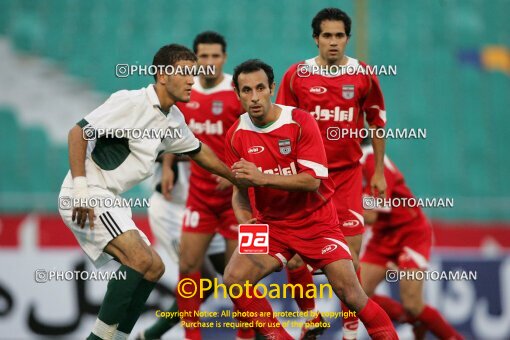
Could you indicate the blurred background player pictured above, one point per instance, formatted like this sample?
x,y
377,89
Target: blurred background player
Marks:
x,y
106,166
166,213
292,194
212,109
401,237
338,101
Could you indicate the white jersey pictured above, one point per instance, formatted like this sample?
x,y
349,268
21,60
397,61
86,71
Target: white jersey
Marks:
x,y
128,131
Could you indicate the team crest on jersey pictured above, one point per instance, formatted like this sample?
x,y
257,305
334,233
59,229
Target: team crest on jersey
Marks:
x,y
217,107
284,145
348,91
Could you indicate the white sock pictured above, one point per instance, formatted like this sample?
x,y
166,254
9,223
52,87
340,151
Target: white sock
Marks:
x,y
103,330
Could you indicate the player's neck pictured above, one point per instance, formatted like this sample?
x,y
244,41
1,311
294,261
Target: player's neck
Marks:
x,y
165,101
210,83
340,61
271,117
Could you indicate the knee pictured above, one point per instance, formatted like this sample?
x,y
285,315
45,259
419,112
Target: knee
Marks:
x,y
412,304
295,263
188,264
141,261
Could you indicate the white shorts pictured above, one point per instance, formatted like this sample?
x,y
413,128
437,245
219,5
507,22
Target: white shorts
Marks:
x,y
108,224
165,219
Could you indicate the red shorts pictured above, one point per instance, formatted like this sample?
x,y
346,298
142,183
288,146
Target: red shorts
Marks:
x,y
318,240
408,246
347,199
210,215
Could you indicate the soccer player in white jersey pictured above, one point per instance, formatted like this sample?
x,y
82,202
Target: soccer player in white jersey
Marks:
x,y
113,163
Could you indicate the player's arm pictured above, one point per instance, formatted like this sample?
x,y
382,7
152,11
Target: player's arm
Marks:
x,y
370,216
208,160
167,175
373,106
77,154
241,205
248,173
378,182
286,94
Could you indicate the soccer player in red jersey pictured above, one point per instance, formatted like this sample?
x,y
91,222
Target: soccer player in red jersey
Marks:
x,y
212,109
401,237
278,151
335,91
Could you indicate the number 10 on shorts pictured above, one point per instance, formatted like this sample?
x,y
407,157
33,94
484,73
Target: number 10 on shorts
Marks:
x,y
253,239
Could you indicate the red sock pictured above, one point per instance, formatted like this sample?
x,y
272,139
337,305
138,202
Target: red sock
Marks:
x,y
269,326
189,306
435,322
351,322
394,309
245,333
303,277
377,323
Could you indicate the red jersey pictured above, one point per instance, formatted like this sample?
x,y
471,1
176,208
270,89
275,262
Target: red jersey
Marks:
x,y
390,217
290,145
209,114
336,101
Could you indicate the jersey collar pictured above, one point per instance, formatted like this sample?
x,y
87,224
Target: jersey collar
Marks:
x,y
153,98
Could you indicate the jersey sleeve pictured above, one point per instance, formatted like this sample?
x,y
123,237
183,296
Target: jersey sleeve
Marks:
x,y
285,94
311,155
112,114
368,172
188,144
231,153
373,105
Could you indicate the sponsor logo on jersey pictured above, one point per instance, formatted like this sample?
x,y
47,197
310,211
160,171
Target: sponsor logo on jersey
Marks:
x,y
336,114
217,107
256,149
284,145
348,91
318,90
193,105
350,223
329,248
290,170
206,127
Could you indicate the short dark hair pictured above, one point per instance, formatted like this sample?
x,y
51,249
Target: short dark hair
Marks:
x,y
332,14
252,65
169,55
209,37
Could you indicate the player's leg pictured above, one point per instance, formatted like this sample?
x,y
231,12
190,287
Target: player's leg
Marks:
x,y
165,220
411,293
348,202
251,268
193,248
125,298
298,273
351,322
342,277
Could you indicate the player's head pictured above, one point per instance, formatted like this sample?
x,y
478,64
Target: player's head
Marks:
x,y
177,84
210,48
254,85
331,31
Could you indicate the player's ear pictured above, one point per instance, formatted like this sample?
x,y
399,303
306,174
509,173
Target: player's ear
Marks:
x,y
236,90
272,88
316,39
162,78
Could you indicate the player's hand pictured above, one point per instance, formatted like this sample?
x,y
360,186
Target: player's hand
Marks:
x,y
248,174
222,183
251,221
378,185
80,214
167,182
